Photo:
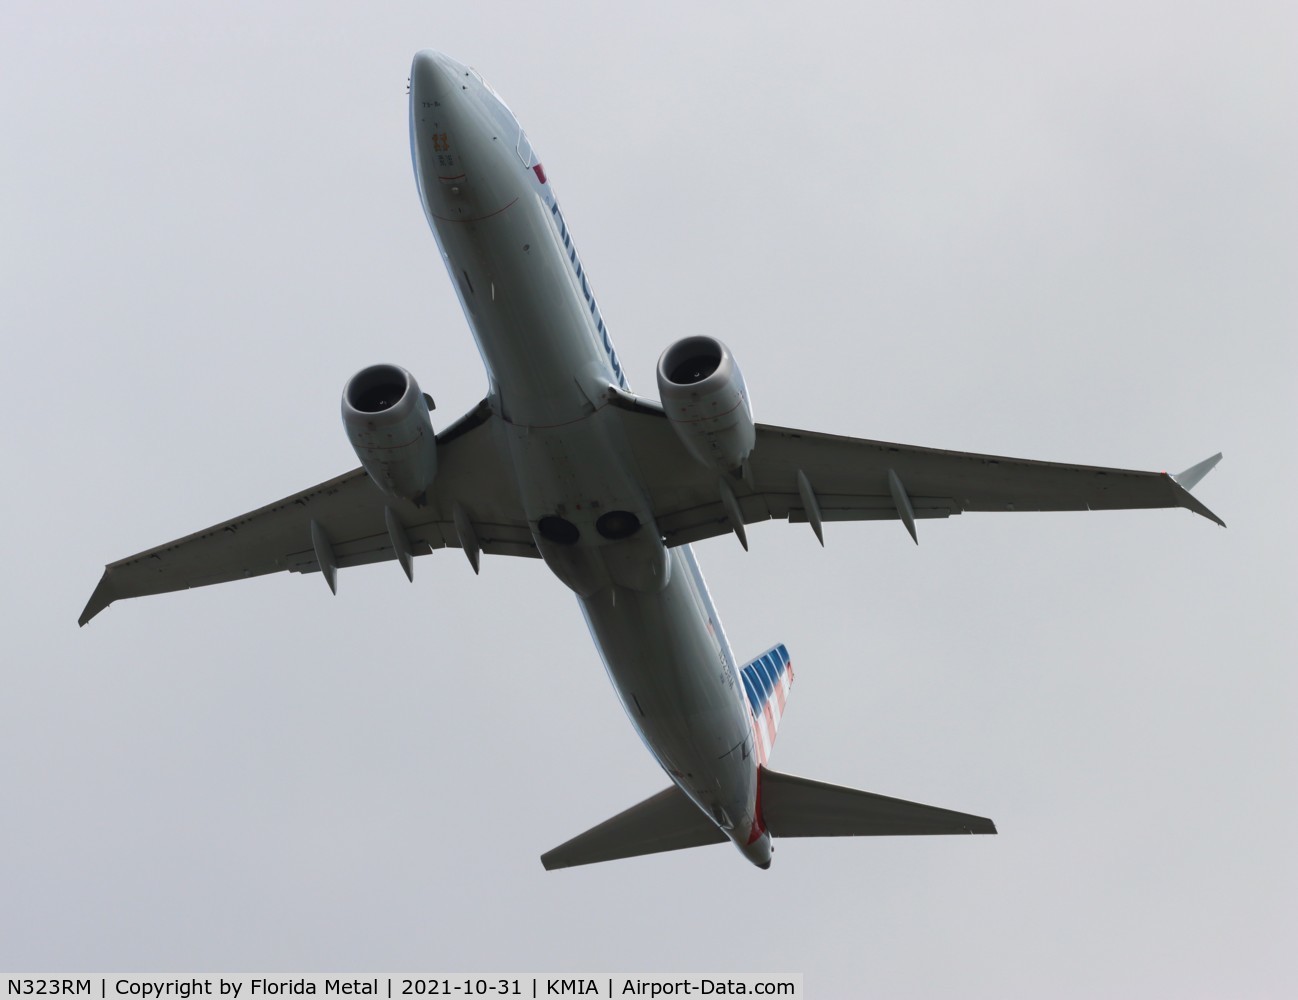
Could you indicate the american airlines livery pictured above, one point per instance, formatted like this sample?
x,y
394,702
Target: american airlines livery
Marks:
x,y
562,462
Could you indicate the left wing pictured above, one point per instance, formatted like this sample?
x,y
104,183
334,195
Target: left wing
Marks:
x,y
811,477
346,521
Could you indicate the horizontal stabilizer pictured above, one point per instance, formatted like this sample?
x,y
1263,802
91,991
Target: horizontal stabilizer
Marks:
x,y
668,821
800,807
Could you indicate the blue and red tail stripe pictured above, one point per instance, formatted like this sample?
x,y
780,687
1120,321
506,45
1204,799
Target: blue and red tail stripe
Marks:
x,y
767,679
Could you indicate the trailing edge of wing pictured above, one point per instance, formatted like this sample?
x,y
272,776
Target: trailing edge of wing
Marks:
x,y
800,807
668,821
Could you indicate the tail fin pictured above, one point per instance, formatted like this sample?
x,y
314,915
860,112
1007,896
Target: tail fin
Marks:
x,y
800,807
767,680
667,821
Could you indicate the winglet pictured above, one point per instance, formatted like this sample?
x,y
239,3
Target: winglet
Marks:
x,y
1183,482
103,596
1189,479
1184,498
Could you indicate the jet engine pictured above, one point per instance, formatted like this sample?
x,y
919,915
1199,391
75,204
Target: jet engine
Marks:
x,y
387,422
706,401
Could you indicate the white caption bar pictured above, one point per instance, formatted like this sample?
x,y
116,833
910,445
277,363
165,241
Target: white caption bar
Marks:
x,y
407,985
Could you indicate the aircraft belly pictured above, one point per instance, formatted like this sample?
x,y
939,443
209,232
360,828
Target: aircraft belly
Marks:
x,y
532,328
580,477
678,686
549,358
498,231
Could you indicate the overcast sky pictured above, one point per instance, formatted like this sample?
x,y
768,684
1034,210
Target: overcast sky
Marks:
x,y
1064,232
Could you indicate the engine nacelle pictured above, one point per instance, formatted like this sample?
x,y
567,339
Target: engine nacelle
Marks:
x,y
387,422
706,401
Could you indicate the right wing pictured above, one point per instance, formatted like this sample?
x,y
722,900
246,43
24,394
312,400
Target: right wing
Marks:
x,y
806,476
351,518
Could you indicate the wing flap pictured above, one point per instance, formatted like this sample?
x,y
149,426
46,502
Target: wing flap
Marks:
x,y
495,539
680,527
799,807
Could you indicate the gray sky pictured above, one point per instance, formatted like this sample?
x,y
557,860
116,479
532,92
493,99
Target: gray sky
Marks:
x,y
1057,231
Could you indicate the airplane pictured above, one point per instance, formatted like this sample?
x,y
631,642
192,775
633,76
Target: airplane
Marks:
x,y
562,462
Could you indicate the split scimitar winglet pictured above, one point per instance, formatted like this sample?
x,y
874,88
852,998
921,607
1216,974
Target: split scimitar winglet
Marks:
x,y
1184,482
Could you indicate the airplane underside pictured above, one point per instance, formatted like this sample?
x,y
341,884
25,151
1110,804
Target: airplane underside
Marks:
x,y
562,462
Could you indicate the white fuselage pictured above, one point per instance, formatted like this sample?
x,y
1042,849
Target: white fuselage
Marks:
x,y
550,362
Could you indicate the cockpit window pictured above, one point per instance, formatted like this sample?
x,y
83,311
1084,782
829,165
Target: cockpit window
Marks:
x,y
483,80
525,150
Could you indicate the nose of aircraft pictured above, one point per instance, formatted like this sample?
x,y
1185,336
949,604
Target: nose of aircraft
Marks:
x,y
463,141
439,136
433,73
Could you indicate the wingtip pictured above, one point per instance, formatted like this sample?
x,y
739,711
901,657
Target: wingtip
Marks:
x,y
1195,473
100,599
1184,482
1189,501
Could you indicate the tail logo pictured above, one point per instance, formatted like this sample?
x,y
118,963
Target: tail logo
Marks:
x,y
767,680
